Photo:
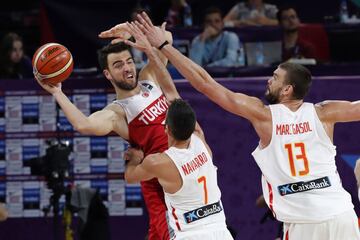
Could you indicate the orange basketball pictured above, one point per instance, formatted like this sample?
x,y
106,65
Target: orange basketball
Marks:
x,y
52,63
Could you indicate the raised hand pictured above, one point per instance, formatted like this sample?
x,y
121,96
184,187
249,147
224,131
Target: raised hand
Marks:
x,y
155,35
141,43
120,32
208,32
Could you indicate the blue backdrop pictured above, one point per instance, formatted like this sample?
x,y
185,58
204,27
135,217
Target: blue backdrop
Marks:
x,y
232,140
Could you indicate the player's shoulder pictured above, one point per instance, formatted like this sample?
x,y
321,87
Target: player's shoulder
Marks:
x,y
324,106
116,109
155,161
326,109
148,83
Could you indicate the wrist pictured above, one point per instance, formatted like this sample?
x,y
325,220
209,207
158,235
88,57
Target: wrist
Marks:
x,y
151,53
166,42
57,93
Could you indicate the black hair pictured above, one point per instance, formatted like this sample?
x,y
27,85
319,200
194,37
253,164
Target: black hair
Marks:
x,y
283,9
211,10
7,67
299,77
181,120
110,48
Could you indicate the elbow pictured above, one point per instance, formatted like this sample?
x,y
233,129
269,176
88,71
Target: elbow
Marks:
x,y
202,85
83,129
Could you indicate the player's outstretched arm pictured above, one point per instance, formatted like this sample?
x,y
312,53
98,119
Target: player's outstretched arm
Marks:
x,y
338,111
249,107
120,33
156,70
99,123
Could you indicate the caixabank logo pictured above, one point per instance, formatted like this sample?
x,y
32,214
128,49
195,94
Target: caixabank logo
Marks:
x,y
202,212
297,187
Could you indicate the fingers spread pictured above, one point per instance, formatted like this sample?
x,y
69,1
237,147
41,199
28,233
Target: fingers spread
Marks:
x,y
141,27
146,25
147,19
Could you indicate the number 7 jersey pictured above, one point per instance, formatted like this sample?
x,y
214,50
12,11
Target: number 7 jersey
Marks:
x,y
196,205
300,181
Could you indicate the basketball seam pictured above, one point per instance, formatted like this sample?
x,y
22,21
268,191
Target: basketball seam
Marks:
x,y
52,59
40,52
57,73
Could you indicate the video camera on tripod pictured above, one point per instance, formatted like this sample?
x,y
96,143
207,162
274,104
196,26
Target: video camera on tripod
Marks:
x,y
54,165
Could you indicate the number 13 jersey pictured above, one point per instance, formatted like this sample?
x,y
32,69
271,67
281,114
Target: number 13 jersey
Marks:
x,y
300,181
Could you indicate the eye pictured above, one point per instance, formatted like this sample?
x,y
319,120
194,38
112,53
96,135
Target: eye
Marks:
x,y
118,65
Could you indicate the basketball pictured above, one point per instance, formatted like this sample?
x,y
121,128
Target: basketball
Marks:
x,y
52,63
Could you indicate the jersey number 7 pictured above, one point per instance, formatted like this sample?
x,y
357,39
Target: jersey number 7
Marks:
x,y
302,156
202,179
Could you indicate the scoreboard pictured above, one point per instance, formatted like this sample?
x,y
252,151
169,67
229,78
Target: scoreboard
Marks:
x,y
27,120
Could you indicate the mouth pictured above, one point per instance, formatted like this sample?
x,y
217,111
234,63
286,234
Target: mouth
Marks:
x,y
129,76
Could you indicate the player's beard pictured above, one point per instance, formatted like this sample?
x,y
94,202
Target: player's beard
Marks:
x,y
122,84
272,97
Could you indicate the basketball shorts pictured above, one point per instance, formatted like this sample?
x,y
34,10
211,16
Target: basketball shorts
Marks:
x,y
341,227
212,234
155,204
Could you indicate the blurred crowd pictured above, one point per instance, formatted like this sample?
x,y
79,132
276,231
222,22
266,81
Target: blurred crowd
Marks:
x,y
219,42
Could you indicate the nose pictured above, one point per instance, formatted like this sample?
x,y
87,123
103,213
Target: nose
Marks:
x,y
126,67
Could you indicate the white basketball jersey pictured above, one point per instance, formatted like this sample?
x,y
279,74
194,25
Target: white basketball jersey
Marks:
x,y
300,181
197,205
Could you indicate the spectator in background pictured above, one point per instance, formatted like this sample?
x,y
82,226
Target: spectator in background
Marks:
x,y
251,13
13,62
215,47
179,14
293,46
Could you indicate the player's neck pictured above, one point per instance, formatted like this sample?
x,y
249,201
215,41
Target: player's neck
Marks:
x,y
180,144
122,94
292,104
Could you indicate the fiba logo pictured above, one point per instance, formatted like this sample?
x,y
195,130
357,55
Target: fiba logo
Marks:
x,y
145,94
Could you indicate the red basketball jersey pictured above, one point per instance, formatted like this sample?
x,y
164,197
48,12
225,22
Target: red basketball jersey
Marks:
x,y
146,113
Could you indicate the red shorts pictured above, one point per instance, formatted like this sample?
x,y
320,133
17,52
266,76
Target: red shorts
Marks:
x,y
155,204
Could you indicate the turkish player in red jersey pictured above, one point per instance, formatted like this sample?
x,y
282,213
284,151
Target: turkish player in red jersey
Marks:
x,y
137,114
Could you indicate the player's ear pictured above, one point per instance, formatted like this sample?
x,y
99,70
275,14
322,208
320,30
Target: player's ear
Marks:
x,y
166,129
288,90
107,74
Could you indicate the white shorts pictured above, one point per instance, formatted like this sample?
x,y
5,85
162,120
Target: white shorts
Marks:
x,y
341,227
216,234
